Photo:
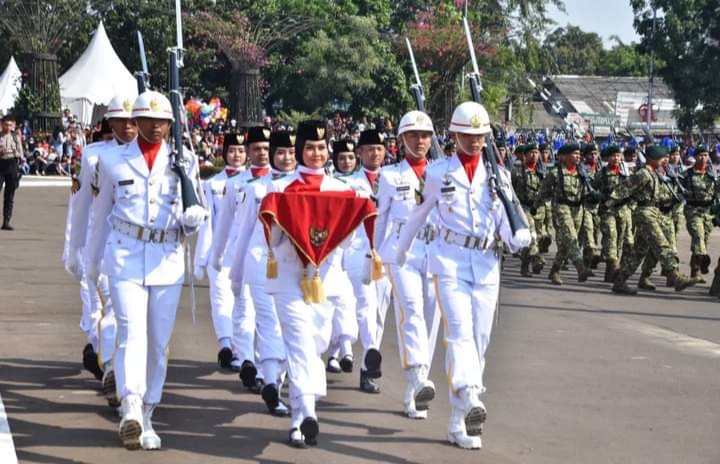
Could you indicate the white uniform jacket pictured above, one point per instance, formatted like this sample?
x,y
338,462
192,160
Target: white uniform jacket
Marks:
x,y
290,267
354,255
81,219
215,191
468,219
396,199
131,196
228,223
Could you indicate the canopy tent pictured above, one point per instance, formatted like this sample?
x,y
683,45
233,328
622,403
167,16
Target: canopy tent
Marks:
x,y
95,78
9,85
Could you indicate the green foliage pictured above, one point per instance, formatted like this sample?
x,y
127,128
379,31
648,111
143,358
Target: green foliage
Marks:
x,y
293,117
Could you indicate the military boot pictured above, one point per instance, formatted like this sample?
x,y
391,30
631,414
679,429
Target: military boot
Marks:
x,y
682,281
695,269
555,275
644,283
538,263
525,268
715,287
704,263
583,272
611,269
669,279
620,285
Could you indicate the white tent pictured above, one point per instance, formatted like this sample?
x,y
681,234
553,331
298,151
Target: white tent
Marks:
x,y
96,77
9,85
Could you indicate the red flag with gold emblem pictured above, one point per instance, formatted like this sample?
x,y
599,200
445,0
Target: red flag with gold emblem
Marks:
x,y
317,222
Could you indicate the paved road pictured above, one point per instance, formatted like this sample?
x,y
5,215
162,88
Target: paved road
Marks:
x,y
575,375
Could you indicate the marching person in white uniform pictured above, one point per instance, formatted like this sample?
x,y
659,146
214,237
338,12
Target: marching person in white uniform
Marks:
x,y
140,246
123,131
221,295
249,268
401,191
373,297
225,237
464,263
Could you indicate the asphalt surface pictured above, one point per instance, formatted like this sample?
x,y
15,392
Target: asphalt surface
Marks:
x,y
575,374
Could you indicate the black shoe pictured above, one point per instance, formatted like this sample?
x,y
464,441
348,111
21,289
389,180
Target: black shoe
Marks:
x,y
90,361
271,396
257,388
297,441
248,372
282,410
333,366
310,429
373,362
347,364
225,357
7,226
367,385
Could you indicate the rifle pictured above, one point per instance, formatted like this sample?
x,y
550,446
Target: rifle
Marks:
x,y
189,195
436,151
142,77
516,217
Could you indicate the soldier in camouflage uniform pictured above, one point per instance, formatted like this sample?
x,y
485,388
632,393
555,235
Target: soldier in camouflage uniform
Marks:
x,y
701,185
526,180
590,227
615,222
675,170
544,224
667,198
567,191
644,187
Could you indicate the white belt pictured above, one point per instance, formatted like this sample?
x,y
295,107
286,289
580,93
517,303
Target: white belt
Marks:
x,y
470,242
427,233
145,234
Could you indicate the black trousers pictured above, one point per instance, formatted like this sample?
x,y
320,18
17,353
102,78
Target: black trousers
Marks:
x,y
8,178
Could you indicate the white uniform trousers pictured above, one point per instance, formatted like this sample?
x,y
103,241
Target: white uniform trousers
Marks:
x,y
344,325
145,318
468,311
243,317
372,302
306,330
417,314
269,341
98,319
221,302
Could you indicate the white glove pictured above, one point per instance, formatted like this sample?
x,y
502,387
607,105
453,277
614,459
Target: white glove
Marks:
x,y
522,238
194,216
199,272
367,270
92,275
401,258
217,262
72,265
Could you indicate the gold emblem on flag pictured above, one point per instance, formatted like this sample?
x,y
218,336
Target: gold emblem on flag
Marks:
x,y
318,236
320,133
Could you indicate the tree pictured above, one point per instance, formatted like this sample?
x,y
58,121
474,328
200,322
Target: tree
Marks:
x,y
574,51
687,38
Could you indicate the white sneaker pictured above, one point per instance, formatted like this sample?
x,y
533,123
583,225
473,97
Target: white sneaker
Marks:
x,y
474,410
149,439
424,389
457,434
131,424
411,411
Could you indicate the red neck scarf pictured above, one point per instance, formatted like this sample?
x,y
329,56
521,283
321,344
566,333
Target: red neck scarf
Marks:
x,y
418,165
571,169
700,170
614,169
231,171
593,166
149,151
531,166
470,163
258,171
372,177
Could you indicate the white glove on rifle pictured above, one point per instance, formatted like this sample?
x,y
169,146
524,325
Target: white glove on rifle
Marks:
x,y
216,262
194,216
72,265
522,238
367,270
199,272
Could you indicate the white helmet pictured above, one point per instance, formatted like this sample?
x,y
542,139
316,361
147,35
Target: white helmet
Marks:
x,y
119,108
151,104
470,118
415,121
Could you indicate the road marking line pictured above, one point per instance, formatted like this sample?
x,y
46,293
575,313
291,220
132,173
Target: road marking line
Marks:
x,y
7,449
682,342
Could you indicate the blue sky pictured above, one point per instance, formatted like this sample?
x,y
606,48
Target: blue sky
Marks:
x,y
606,17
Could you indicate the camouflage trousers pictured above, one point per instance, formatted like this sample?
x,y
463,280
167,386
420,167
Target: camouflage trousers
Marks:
x,y
700,227
649,237
667,225
616,227
544,220
568,220
533,222
678,215
589,229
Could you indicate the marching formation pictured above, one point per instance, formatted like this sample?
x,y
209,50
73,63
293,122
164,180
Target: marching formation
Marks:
x,y
301,263
605,207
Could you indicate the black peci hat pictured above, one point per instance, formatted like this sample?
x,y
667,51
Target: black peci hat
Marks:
x,y
311,130
371,137
257,134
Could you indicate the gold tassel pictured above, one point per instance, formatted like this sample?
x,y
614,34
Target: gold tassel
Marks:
x,y
305,287
272,265
317,290
377,266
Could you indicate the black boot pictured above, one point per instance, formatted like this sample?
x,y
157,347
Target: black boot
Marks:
x,y
6,224
367,384
620,286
